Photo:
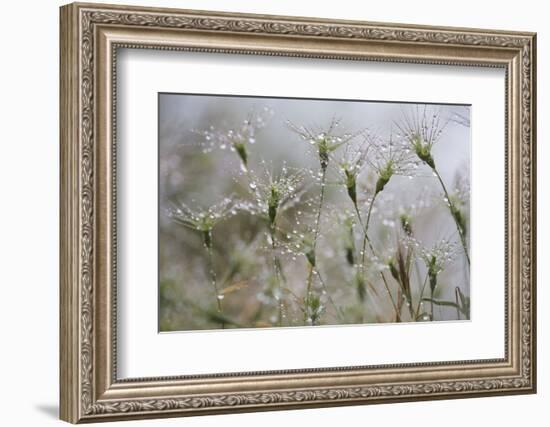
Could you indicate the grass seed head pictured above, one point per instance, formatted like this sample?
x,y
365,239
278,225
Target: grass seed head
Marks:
x,y
389,157
237,138
310,255
458,217
240,148
406,225
436,259
351,184
325,140
273,203
275,193
421,128
393,269
422,150
203,220
314,309
384,175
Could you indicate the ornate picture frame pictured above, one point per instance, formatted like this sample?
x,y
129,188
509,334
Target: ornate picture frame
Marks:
x,y
90,37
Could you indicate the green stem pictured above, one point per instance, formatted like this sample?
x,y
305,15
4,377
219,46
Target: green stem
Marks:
x,y
421,296
308,291
316,234
460,233
457,303
366,230
213,279
321,200
401,291
366,240
432,304
323,284
277,274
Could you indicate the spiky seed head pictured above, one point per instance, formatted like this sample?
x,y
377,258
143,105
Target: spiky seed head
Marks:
x,y
423,150
237,137
325,140
459,217
240,148
351,184
405,221
433,271
203,220
384,176
350,256
324,153
314,309
436,258
393,270
347,223
207,238
274,199
310,256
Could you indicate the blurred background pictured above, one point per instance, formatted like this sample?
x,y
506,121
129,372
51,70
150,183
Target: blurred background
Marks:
x,y
200,169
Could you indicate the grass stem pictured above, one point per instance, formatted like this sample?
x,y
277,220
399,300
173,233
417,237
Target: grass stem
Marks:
x,y
417,313
316,233
320,208
450,206
213,279
308,292
323,284
366,240
277,275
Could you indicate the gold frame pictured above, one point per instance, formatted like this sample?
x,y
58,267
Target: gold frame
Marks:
x,y
90,36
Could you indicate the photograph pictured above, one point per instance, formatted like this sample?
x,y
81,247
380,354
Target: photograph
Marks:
x,y
292,212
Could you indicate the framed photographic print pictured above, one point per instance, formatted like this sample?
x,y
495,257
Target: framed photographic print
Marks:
x,y
266,212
